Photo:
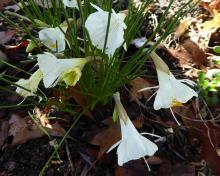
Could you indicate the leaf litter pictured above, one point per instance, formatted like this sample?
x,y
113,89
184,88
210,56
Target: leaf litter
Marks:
x,y
189,53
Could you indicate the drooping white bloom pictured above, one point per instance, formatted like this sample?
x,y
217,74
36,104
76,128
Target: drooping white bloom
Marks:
x,y
132,145
70,3
171,92
30,84
53,38
55,70
97,24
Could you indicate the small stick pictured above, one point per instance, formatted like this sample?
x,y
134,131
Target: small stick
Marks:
x,y
69,158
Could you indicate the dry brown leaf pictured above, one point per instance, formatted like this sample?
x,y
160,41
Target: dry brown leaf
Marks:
x,y
3,3
197,130
182,27
182,56
211,5
106,138
137,84
6,36
214,23
197,54
176,169
132,168
155,160
3,131
24,129
75,93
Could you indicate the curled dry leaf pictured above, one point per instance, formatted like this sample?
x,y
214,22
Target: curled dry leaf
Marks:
x,y
137,84
189,52
198,55
24,129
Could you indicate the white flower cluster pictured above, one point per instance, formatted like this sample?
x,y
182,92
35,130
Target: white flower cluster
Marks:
x,y
52,70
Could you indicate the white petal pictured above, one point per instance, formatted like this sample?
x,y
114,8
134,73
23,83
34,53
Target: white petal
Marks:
x,y
70,3
181,92
53,68
96,25
164,96
53,38
113,146
31,84
133,145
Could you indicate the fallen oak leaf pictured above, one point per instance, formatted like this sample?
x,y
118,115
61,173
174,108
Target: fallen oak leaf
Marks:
x,y
198,55
183,57
137,84
24,129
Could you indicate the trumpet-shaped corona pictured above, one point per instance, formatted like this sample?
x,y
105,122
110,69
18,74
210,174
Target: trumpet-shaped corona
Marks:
x,y
171,92
55,70
30,84
132,145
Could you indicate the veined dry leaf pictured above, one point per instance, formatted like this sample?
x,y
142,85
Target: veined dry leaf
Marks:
x,y
182,27
6,36
24,129
214,23
137,84
198,55
106,138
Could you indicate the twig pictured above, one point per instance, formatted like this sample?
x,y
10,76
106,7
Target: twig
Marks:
x,y
69,158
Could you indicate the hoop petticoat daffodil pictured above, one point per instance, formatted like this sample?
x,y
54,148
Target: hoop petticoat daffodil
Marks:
x,y
132,145
56,70
171,92
53,38
70,3
30,84
97,24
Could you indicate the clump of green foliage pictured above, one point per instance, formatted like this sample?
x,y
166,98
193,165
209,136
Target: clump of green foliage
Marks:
x,y
209,87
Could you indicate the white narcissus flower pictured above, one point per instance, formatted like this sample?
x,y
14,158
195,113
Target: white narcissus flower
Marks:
x,y
55,70
70,3
171,92
30,84
97,23
132,145
53,38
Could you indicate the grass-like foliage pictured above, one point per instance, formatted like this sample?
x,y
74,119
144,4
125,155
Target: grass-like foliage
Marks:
x,y
102,78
